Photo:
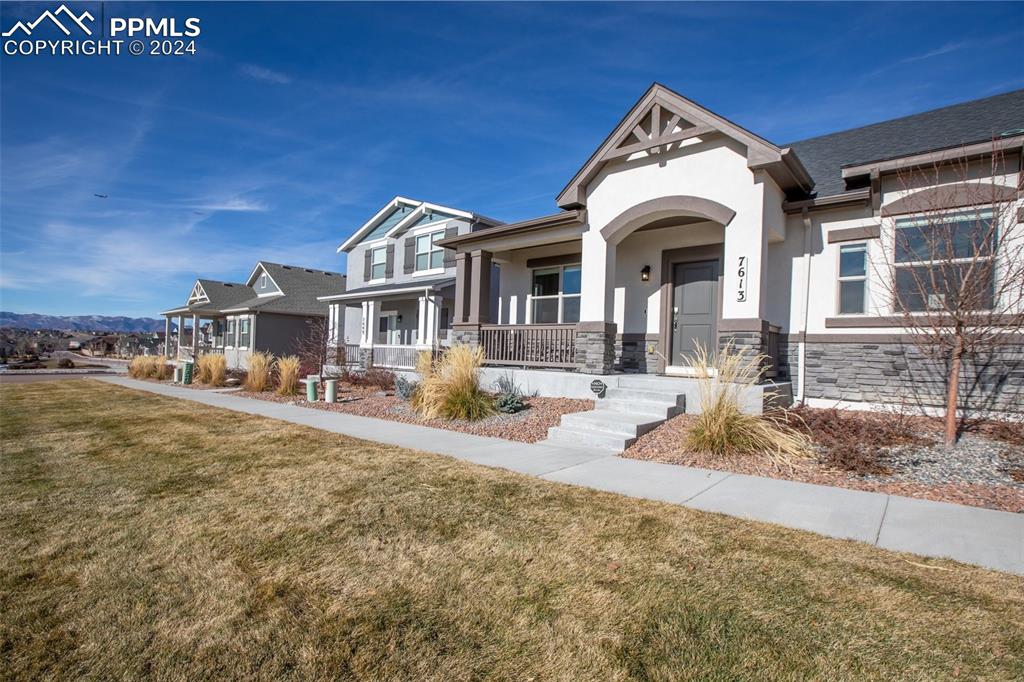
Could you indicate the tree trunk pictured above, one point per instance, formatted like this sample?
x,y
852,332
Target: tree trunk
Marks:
x,y
952,390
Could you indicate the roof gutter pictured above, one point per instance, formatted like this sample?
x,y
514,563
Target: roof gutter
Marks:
x,y
358,295
561,219
854,198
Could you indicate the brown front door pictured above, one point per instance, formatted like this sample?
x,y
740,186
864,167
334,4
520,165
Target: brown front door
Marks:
x,y
694,309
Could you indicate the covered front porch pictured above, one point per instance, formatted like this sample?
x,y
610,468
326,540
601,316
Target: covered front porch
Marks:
x,y
390,327
638,297
201,332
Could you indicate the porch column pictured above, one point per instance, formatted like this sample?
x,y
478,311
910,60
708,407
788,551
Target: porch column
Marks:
x,y
432,323
462,288
421,321
370,310
596,330
167,335
181,333
480,293
195,336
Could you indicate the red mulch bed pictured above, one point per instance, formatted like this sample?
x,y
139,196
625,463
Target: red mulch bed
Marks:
x,y
528,426
853,449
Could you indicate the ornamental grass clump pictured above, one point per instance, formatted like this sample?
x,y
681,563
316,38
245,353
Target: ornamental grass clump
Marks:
x,y
257,379
450,386
211,369
137,368
149,367
288,375
722,428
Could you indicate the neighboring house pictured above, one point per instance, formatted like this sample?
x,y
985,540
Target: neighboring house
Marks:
x,y
273,310
401,284
684,228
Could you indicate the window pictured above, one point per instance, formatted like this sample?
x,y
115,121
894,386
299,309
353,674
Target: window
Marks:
x,y
853,279
230,337
428,254
243,332
263,281
378,262
944,262
556,295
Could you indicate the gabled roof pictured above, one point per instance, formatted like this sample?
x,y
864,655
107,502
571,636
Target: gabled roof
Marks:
x,y
980,120
401,213
663,117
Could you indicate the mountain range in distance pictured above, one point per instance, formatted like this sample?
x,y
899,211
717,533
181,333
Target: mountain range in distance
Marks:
x,y
81,323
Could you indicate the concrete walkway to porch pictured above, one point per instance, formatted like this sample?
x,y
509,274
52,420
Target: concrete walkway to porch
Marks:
x,y
992,539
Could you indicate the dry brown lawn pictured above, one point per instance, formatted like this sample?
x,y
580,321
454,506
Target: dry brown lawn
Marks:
x,y
147,537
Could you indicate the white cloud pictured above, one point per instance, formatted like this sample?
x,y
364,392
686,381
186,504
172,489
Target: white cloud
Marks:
x,y
262,73
233,204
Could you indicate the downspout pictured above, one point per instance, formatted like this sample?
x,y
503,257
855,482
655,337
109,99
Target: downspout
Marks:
x,y
802,344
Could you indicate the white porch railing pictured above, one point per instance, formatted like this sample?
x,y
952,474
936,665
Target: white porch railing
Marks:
x,y
395,357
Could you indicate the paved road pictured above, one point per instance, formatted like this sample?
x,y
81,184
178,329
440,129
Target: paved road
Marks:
x,y
984,537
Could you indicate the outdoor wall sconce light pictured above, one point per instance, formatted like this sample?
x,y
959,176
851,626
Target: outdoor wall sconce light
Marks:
x,y
645,274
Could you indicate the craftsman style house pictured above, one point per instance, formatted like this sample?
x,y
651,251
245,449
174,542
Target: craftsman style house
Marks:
x,y
684,228
273,310
401,283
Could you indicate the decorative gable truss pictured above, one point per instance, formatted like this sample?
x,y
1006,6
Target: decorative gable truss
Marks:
x,y
198,294
656,130
662,120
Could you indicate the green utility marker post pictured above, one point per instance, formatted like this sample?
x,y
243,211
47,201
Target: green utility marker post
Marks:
x,y
186,377
331,393
311,390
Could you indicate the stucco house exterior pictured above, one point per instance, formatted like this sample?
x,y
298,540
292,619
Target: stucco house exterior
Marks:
x,y
401,284
273,310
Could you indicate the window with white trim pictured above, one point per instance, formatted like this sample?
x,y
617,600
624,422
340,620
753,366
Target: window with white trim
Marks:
x,y
229,337
556,295
940,259
853,279
263,281
378,262
243,332
428,254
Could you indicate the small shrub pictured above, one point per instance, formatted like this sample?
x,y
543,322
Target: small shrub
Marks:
x,y
722,428
258,378
65,363
509,403
450,387
405,389
381,378
288,369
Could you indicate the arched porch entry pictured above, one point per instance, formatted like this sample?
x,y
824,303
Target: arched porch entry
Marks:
x,y
658,284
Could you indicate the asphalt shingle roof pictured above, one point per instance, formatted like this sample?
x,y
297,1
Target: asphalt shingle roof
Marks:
x,y
975,121
301,287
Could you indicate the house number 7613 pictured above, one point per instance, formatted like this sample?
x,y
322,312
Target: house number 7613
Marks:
x,y
741,274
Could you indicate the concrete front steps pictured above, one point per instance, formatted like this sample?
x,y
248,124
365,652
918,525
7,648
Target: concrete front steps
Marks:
x,y
631,409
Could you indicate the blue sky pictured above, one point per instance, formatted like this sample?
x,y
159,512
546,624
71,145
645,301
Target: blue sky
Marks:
x,y
295,122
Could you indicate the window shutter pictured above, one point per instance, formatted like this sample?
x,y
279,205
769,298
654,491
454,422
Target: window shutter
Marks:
x,y
367,264
449,254
409,259
389,262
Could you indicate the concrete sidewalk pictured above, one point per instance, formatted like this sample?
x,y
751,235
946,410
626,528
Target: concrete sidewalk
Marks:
x,y
984,537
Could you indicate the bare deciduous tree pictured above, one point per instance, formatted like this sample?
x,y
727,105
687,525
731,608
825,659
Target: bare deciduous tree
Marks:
x,y
953,264
317,350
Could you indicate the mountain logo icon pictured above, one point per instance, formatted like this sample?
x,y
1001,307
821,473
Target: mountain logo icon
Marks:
x,y
69,16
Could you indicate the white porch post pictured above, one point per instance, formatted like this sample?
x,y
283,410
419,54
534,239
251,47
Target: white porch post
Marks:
x,y
597,299
181,333
195,336
370,310
332,324
167,335
421,321
433,320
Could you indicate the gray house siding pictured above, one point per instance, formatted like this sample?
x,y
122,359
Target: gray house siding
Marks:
x,y
282,334
400,253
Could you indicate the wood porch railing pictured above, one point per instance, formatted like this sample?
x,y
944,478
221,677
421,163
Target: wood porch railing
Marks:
x,y
529,345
